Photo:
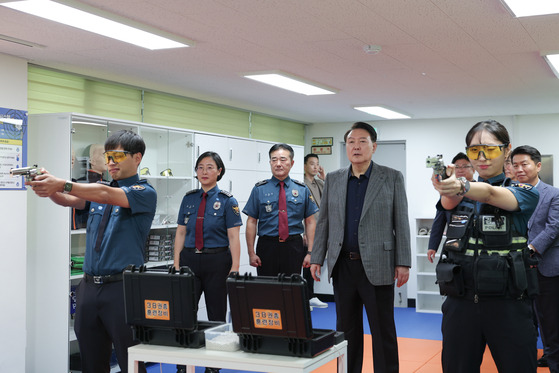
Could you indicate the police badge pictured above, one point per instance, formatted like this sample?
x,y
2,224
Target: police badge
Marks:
x,y
295,193
268,208
217,205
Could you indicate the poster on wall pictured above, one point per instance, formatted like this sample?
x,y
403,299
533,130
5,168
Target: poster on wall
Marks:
x,y
13,147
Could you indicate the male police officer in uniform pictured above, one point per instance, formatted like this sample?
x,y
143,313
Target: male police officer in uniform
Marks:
x,y
278,206
119,221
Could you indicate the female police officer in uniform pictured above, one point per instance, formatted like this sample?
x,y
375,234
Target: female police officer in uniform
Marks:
x,y
489,285
207,238
221,221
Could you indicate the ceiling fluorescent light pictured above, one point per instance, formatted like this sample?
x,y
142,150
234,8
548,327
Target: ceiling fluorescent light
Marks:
x,y
99,23
525,8
282,80
379,111
553,62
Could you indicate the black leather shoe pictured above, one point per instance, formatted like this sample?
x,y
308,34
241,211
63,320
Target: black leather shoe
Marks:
x,y
181,369
542,362
212,370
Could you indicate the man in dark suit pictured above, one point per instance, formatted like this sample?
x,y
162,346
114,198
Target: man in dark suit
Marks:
x,y
543,238
363,226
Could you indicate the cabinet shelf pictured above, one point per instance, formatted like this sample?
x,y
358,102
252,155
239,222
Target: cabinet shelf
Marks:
x,y
428,296
432,274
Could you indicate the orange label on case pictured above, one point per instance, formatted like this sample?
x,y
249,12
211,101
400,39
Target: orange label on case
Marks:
x,y
267,319
157,309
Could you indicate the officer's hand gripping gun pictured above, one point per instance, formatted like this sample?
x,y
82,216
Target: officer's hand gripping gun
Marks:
x,y
437,164
28,172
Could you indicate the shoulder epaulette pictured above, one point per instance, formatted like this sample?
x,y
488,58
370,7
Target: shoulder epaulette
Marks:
x,y
298,182
226,193
192,191
261,182
521,185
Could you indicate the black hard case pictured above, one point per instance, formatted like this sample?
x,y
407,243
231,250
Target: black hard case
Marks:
x,y
288,295
182,329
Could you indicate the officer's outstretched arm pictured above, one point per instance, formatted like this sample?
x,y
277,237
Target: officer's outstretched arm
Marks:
x,y
48,185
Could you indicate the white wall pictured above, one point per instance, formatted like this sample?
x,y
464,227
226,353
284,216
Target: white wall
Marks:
x,y
438,136
13,233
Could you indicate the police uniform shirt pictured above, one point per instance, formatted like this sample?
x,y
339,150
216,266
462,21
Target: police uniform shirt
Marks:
x,y
222,213
527,197
263,205
125,235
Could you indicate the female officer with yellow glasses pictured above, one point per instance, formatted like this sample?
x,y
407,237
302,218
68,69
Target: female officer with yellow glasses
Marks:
x,y
486,272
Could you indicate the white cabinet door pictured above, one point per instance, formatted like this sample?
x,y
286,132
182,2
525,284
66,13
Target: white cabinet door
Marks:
x,y
242,154
263,157
218,144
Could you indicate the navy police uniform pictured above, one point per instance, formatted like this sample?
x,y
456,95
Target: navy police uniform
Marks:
x,y
280,257
488,300
212,264
100,317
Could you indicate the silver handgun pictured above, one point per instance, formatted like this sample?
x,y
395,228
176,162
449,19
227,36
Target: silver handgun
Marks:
x,y
28,172
437,164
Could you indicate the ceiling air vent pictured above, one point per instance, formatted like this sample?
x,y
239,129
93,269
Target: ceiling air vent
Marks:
x,y
20,41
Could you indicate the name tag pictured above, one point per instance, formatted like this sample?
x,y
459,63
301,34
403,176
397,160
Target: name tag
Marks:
x,y
493,224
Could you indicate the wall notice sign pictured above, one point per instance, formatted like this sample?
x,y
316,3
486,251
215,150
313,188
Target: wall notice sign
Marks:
x,y
267,319
321,150
13,147
322,141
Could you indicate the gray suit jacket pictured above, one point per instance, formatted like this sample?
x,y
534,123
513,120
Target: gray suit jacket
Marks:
x,y
543,229
384,232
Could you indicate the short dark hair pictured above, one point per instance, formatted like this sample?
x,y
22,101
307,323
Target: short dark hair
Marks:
x,y
460,156
128,140
281,146
216,158
493,127
310,155
528,150
364,126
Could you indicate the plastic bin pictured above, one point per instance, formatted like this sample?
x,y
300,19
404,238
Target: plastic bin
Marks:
x,y
222,338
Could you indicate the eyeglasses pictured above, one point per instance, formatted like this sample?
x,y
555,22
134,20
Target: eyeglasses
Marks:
x,y
489,151
462,167
145,172
208,168
116,155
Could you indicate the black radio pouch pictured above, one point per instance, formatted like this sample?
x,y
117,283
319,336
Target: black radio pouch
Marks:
x,y
457,231
449,279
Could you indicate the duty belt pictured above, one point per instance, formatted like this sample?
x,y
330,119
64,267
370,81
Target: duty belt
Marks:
x,y
276,238
100,280
212,250
479,242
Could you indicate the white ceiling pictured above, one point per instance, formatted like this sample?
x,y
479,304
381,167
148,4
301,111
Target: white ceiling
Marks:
x,y
439,58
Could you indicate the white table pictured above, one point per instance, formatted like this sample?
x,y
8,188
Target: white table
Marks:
x,y
240,360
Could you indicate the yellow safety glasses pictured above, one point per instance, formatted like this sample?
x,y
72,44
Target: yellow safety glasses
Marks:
x,y
166,172
116,155
489,151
